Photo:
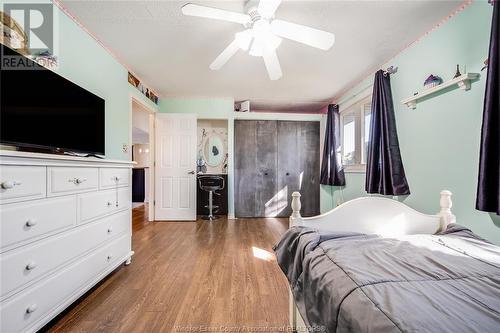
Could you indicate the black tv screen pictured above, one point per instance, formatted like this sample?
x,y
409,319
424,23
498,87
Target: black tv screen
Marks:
x,y
41,109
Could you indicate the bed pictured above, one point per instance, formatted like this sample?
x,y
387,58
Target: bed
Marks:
x,y
376,265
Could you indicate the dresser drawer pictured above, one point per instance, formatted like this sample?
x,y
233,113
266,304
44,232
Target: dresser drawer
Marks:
x,y
33,261
97,204
62,181
33,307
118,223
18,183
27,220
113,177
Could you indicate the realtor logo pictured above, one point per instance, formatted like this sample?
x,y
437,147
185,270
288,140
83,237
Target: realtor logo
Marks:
x,y
37,22
29,28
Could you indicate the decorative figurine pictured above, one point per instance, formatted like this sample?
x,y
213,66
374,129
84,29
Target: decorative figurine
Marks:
x,y
432,81
457,74
200,163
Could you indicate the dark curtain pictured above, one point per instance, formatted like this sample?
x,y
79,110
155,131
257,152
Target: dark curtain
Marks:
x,y
384,168
332,172
488,185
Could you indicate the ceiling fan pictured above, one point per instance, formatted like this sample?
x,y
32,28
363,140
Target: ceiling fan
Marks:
x,y
262,34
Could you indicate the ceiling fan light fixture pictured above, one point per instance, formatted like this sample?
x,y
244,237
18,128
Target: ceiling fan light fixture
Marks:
x,y
244,38
263,38
257,48
270,42
263,34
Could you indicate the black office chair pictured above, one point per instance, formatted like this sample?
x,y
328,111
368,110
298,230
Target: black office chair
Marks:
x,y
211,184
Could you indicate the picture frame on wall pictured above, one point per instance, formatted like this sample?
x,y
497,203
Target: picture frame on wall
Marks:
x,y
134,81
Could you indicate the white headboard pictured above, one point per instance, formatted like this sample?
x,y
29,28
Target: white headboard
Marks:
x,y
376,215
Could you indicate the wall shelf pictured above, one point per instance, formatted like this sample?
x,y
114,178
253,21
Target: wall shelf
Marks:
x,y
463,82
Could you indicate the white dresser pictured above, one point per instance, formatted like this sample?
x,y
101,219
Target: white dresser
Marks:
x,y
65,223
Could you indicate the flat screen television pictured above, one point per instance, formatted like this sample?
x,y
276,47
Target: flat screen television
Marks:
x,y
41,110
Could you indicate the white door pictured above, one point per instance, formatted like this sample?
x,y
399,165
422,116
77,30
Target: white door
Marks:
x,y
175,171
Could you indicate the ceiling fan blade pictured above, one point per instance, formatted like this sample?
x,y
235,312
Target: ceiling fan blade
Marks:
x,y
215,13
267,8
222,58
272,63
306,35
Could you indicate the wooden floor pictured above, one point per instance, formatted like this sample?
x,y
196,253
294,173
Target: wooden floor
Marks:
x,y
186,276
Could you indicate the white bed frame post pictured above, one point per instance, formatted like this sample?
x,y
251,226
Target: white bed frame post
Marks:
x,y
446,215
296,218
296,322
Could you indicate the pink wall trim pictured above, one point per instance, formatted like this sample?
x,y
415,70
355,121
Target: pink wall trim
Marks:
x,y
320,111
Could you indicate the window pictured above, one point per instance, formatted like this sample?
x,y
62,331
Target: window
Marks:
x,y
355,134
348,140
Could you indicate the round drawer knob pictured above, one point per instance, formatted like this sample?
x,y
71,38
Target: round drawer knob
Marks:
x,y
109,203
32,308
80,180
110,257
110,230
9,184
31,266
77,181
30,222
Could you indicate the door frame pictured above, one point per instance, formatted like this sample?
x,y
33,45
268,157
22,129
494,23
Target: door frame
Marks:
x,y
152,157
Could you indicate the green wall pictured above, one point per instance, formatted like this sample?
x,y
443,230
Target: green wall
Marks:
x,y
86,63
439,140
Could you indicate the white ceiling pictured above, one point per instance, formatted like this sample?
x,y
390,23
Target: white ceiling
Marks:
x,y
171,52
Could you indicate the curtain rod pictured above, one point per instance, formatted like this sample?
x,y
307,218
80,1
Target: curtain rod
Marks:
x,y
391,70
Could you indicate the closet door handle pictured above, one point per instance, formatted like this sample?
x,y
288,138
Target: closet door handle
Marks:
x,y
288,173
191,172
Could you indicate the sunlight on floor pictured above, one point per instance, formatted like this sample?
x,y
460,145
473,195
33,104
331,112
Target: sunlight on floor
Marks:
x,y
262,254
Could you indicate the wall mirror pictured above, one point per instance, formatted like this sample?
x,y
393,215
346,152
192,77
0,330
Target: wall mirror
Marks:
x,y
213,150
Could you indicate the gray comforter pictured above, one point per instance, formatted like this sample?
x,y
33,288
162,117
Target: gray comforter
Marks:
x,y
449,282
